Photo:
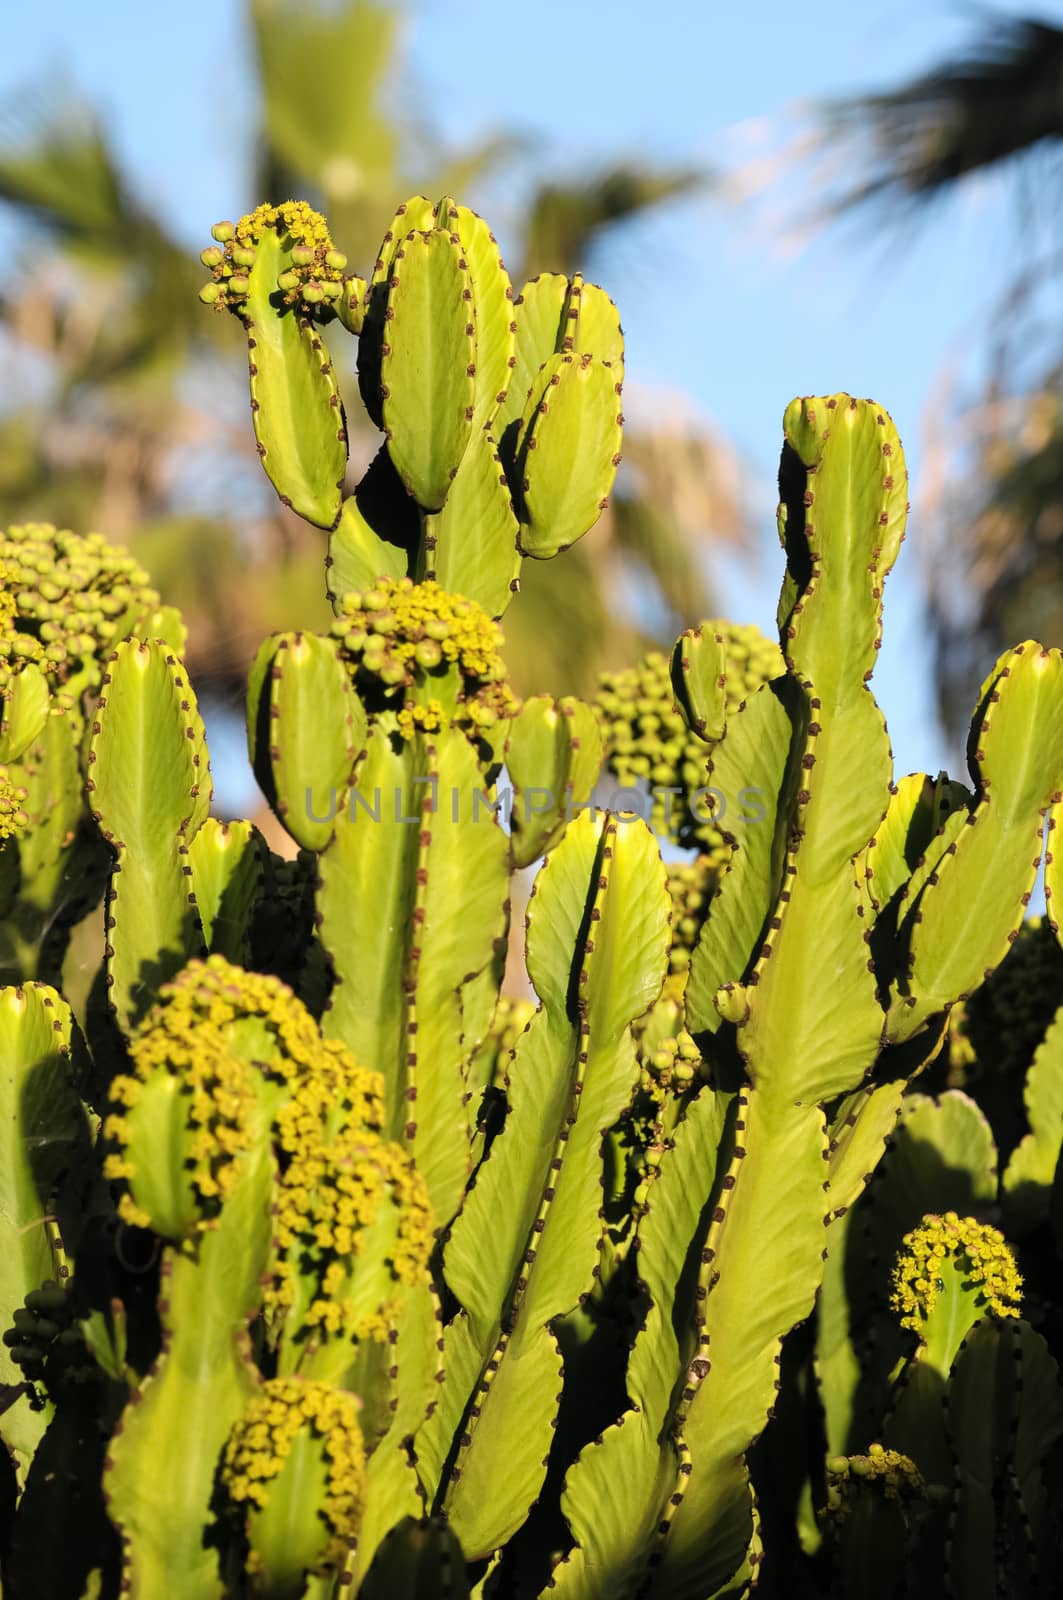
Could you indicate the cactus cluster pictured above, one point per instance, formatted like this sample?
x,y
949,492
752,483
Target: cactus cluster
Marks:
x,y
332,1267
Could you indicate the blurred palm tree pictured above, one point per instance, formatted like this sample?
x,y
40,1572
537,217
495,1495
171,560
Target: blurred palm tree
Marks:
x,y
137,420
996,564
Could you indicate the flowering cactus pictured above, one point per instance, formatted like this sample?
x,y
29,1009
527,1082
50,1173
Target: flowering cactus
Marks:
x,y
334,1267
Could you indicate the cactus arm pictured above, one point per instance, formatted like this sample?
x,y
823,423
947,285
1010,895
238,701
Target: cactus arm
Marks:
x,y
844,505
387,900
1004,1410
149,787
460,864
859,1132
842,520
365,901
417,212
306,734
23,711
419,1561
496,330
62,864
570,1080
760,1267
1027,1183
592,324
43,1127
227,876
378,532
350,304
699,678
754,752
471,544
553,746
570,436
195,1392
428,364
539,313
613,1493
393,1489
970,909
918,806
295,402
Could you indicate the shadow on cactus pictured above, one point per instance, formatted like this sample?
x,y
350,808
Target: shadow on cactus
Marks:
x,y
350,1259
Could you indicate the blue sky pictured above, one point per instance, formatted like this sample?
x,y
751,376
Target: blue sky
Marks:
x,y
711,304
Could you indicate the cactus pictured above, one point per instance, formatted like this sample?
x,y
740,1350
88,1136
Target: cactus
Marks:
x,y
334,1267
65,602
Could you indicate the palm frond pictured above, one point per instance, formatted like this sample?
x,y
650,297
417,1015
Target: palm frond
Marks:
x,y
1000,100
57,167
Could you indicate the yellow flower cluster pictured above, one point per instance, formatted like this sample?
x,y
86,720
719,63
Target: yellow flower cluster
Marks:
x,y
261,1442
215,1029
314,277
982,1254
414,718
401,639
12,817
338,1181
65,601
647,739
8,604
891,1474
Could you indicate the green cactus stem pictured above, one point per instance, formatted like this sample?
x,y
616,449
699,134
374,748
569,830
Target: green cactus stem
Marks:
x,y
875,1504
527,1241
428,364
284,254
149,788
305,726
553,757
45,1138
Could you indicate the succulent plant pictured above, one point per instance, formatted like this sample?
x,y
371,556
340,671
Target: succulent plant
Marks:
x,y
331,1266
